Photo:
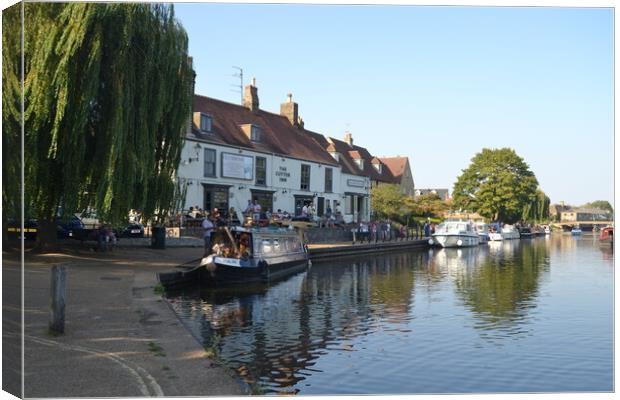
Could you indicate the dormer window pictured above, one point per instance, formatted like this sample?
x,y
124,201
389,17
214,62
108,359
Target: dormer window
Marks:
x,y
255,133
206,123
378,167
252,132
335,155
360,162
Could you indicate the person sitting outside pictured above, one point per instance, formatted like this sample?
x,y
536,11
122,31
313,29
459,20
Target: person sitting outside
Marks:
x,y
207,227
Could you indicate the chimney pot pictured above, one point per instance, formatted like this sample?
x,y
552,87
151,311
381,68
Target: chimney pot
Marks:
x,y
250,96
348,138
289,109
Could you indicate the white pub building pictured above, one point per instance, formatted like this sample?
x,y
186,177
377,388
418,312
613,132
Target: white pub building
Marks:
x,y
234,154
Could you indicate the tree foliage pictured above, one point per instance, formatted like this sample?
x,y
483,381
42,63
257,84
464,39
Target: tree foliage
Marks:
x,y
387,201
498,185
538,209
11,111
107,97
426,205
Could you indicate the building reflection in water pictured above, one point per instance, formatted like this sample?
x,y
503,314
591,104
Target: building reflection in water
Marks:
x,y
274,336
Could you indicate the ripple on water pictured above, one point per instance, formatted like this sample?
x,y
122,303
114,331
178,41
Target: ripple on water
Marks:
x,y
526,317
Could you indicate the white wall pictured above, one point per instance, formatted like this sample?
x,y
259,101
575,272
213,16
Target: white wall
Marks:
x,y
192,174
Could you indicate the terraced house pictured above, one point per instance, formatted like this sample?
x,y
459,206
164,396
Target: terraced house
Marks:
x,y
239,153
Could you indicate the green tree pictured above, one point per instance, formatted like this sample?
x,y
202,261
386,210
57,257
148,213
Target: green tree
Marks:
x,y
107,97
538,209
11,115
388,201
426,205
498,185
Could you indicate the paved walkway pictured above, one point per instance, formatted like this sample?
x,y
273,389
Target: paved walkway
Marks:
x,y
121,339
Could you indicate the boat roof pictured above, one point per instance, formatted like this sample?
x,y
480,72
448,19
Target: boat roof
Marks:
x,y
267,230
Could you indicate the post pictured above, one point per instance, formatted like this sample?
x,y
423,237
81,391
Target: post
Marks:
x,y
58,291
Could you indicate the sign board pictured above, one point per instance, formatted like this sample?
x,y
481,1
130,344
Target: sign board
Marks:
x,y
282,174
237,166
356,183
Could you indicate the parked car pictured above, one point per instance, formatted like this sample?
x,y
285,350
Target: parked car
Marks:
x,y
73,228
134,229
89,218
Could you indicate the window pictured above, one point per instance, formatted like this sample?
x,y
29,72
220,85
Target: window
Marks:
x,y
328,180
305,177
360,163
209,162
206,123
255,133
261,171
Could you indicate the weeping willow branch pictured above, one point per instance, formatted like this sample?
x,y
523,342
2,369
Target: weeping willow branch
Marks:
x,y
107,91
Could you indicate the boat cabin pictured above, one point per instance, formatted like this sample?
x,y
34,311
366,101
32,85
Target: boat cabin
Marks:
x,y
245,243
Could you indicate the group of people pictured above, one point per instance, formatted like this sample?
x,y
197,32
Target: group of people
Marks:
x,y
428,228
376,231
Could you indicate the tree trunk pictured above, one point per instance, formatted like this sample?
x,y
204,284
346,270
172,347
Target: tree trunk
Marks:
x,y
46,236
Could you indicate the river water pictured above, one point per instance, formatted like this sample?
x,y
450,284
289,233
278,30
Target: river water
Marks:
x,y
530,315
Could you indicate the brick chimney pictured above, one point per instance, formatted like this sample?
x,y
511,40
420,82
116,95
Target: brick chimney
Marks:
x,y
250,96
348,138
290,110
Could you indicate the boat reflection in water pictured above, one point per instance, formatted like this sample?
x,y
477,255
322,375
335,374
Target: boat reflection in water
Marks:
x,y
451,320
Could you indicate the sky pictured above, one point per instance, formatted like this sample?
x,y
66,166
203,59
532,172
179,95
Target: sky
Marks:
x,y
434,83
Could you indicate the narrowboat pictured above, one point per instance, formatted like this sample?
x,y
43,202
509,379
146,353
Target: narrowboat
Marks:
x,y
607,235
245,255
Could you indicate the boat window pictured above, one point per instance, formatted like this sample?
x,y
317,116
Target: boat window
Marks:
x,y
266,246
276,245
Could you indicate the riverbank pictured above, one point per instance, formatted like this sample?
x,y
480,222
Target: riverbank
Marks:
x,y
121,338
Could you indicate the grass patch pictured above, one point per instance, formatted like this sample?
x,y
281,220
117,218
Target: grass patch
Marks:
x,y
156,349
159,289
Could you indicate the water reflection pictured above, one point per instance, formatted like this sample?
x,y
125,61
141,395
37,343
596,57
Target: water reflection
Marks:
x,y
498,284
365,325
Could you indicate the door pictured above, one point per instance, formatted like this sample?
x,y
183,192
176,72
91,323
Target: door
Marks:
x,y
216,197
320,206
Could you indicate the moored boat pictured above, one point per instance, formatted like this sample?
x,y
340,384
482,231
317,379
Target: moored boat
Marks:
x,y
525,232
575,231
607,235
455,234
243,255
482,230
495,232
509,232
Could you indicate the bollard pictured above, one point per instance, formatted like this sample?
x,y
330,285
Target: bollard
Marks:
x,y
58,291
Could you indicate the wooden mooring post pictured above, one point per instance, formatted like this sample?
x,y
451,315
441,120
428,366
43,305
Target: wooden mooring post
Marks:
x,y
57,297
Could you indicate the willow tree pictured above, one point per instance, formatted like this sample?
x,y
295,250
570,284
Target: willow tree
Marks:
x,y
498,185
107,92
538,209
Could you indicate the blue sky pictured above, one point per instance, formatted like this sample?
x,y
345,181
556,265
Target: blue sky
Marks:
x,y
436,84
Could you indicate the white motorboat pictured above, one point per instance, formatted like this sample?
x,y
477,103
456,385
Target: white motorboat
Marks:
x,y
509,232
455,234
495,232
482,230
575,231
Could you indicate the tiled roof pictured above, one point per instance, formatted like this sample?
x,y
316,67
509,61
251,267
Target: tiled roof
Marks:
x,y
277,134
396,165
